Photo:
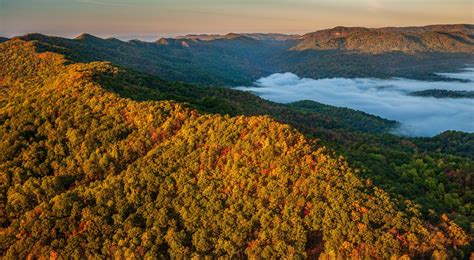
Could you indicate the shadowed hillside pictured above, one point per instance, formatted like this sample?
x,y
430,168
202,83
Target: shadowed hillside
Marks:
x,y
199,62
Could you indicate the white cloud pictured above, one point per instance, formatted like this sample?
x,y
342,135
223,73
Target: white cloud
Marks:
x,y
420,116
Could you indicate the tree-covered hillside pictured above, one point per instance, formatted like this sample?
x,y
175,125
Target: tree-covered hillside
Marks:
x,y
87,172
235,59
359,137
454,38
199,62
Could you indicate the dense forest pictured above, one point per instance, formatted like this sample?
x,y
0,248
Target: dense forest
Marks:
x,y
101,160
450,38
359,137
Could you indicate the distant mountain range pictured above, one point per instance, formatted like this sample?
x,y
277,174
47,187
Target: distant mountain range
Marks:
x,y
231,36
239,59
465,31
442,38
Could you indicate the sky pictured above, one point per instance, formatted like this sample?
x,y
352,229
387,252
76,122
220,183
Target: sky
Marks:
x,y
151,19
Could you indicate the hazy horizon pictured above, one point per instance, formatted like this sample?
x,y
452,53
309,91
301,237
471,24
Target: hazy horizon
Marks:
x,y
146,19
153,37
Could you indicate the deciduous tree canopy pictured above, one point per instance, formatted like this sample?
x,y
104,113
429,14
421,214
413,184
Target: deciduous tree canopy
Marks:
x,y
86,172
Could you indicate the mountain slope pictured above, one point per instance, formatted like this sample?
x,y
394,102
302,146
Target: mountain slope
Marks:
x,y
189,61
318,64
356,135
233,102
455,39
359,137
450,28
86,173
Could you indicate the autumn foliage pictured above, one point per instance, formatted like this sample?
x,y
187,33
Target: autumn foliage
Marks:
x,y
85,172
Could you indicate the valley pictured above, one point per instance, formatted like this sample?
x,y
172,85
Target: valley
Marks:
x,y
407,101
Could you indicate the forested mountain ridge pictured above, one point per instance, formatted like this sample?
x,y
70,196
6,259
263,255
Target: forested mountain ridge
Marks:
x,y
455,38
198,62
247,57
464,28
86,172
339,31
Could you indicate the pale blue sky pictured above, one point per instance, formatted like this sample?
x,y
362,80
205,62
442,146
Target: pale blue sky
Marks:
x,y
150,19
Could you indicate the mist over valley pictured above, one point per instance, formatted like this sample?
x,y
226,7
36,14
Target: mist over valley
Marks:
x,y
387,98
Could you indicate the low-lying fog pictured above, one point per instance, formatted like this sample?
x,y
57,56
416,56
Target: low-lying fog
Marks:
x,y
419,116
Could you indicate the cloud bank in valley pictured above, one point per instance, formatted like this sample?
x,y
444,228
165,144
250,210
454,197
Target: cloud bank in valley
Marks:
x,y
419,116
466,74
